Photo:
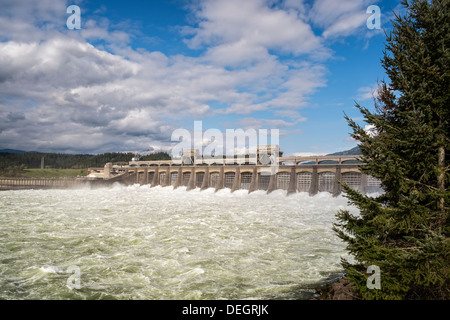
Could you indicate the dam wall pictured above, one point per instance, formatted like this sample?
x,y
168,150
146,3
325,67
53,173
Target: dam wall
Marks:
x,y
49,183
293,174
291,178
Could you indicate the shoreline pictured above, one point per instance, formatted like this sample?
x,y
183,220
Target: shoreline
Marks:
x,y
340,289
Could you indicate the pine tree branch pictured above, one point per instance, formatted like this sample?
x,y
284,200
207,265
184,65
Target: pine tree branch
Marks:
x,y
415,182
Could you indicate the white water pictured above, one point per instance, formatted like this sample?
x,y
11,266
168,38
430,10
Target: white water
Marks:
x,y
139,242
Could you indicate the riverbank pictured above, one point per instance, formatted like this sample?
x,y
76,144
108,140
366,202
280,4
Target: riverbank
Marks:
x,y
341,289
43,173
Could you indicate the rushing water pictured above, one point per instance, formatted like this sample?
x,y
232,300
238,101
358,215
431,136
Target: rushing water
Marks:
x,y
139,242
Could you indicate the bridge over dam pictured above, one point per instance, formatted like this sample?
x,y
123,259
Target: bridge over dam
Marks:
x,y
293,174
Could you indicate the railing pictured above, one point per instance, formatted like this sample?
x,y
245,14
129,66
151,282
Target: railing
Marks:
x,y
31,183
341,159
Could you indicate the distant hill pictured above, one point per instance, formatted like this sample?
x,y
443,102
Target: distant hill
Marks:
x,y
16,151
10,158
351,152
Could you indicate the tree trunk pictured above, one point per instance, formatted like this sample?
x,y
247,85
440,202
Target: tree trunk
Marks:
x,y
441,175
441,179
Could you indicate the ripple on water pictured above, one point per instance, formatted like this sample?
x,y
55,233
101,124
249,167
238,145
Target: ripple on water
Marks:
x,y
138,242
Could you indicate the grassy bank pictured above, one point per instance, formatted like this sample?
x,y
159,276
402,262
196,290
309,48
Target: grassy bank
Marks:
x,y
45,173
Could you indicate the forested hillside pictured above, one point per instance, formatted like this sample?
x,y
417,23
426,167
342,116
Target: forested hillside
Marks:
x,y
69,161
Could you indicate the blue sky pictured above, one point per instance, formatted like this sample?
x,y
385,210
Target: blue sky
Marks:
x,y
138,70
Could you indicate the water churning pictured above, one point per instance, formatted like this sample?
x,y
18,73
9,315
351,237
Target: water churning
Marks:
x,y
138,242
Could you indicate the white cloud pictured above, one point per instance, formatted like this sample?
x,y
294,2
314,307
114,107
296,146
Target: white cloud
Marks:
x,y
18,19
340,18
371,130
368,92
60,92
59,63
251,26
257,123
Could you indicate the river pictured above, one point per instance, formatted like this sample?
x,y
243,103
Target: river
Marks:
x,y
138,242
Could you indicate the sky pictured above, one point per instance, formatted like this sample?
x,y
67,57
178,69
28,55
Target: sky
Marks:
x,y
136,71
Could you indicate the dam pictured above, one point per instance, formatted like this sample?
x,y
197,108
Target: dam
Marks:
x,y
146,237
310,174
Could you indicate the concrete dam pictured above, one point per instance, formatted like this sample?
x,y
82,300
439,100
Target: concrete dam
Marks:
x,y
293,174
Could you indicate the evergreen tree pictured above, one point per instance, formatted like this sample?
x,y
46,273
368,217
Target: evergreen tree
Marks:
x,y
405,231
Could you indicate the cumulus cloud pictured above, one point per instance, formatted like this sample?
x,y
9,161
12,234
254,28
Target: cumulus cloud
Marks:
x,y
25,21
255,123
63,91
340,18
371,130
243,28
59,63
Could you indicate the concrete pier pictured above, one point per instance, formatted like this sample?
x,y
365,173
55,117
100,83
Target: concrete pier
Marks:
x,y
221,180
254,181
292,182
206,179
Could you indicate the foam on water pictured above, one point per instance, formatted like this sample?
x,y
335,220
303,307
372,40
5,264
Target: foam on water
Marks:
x,y
139,242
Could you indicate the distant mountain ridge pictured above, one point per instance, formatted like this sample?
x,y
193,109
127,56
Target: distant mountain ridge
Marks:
x,y
351,152
10,158
13,151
